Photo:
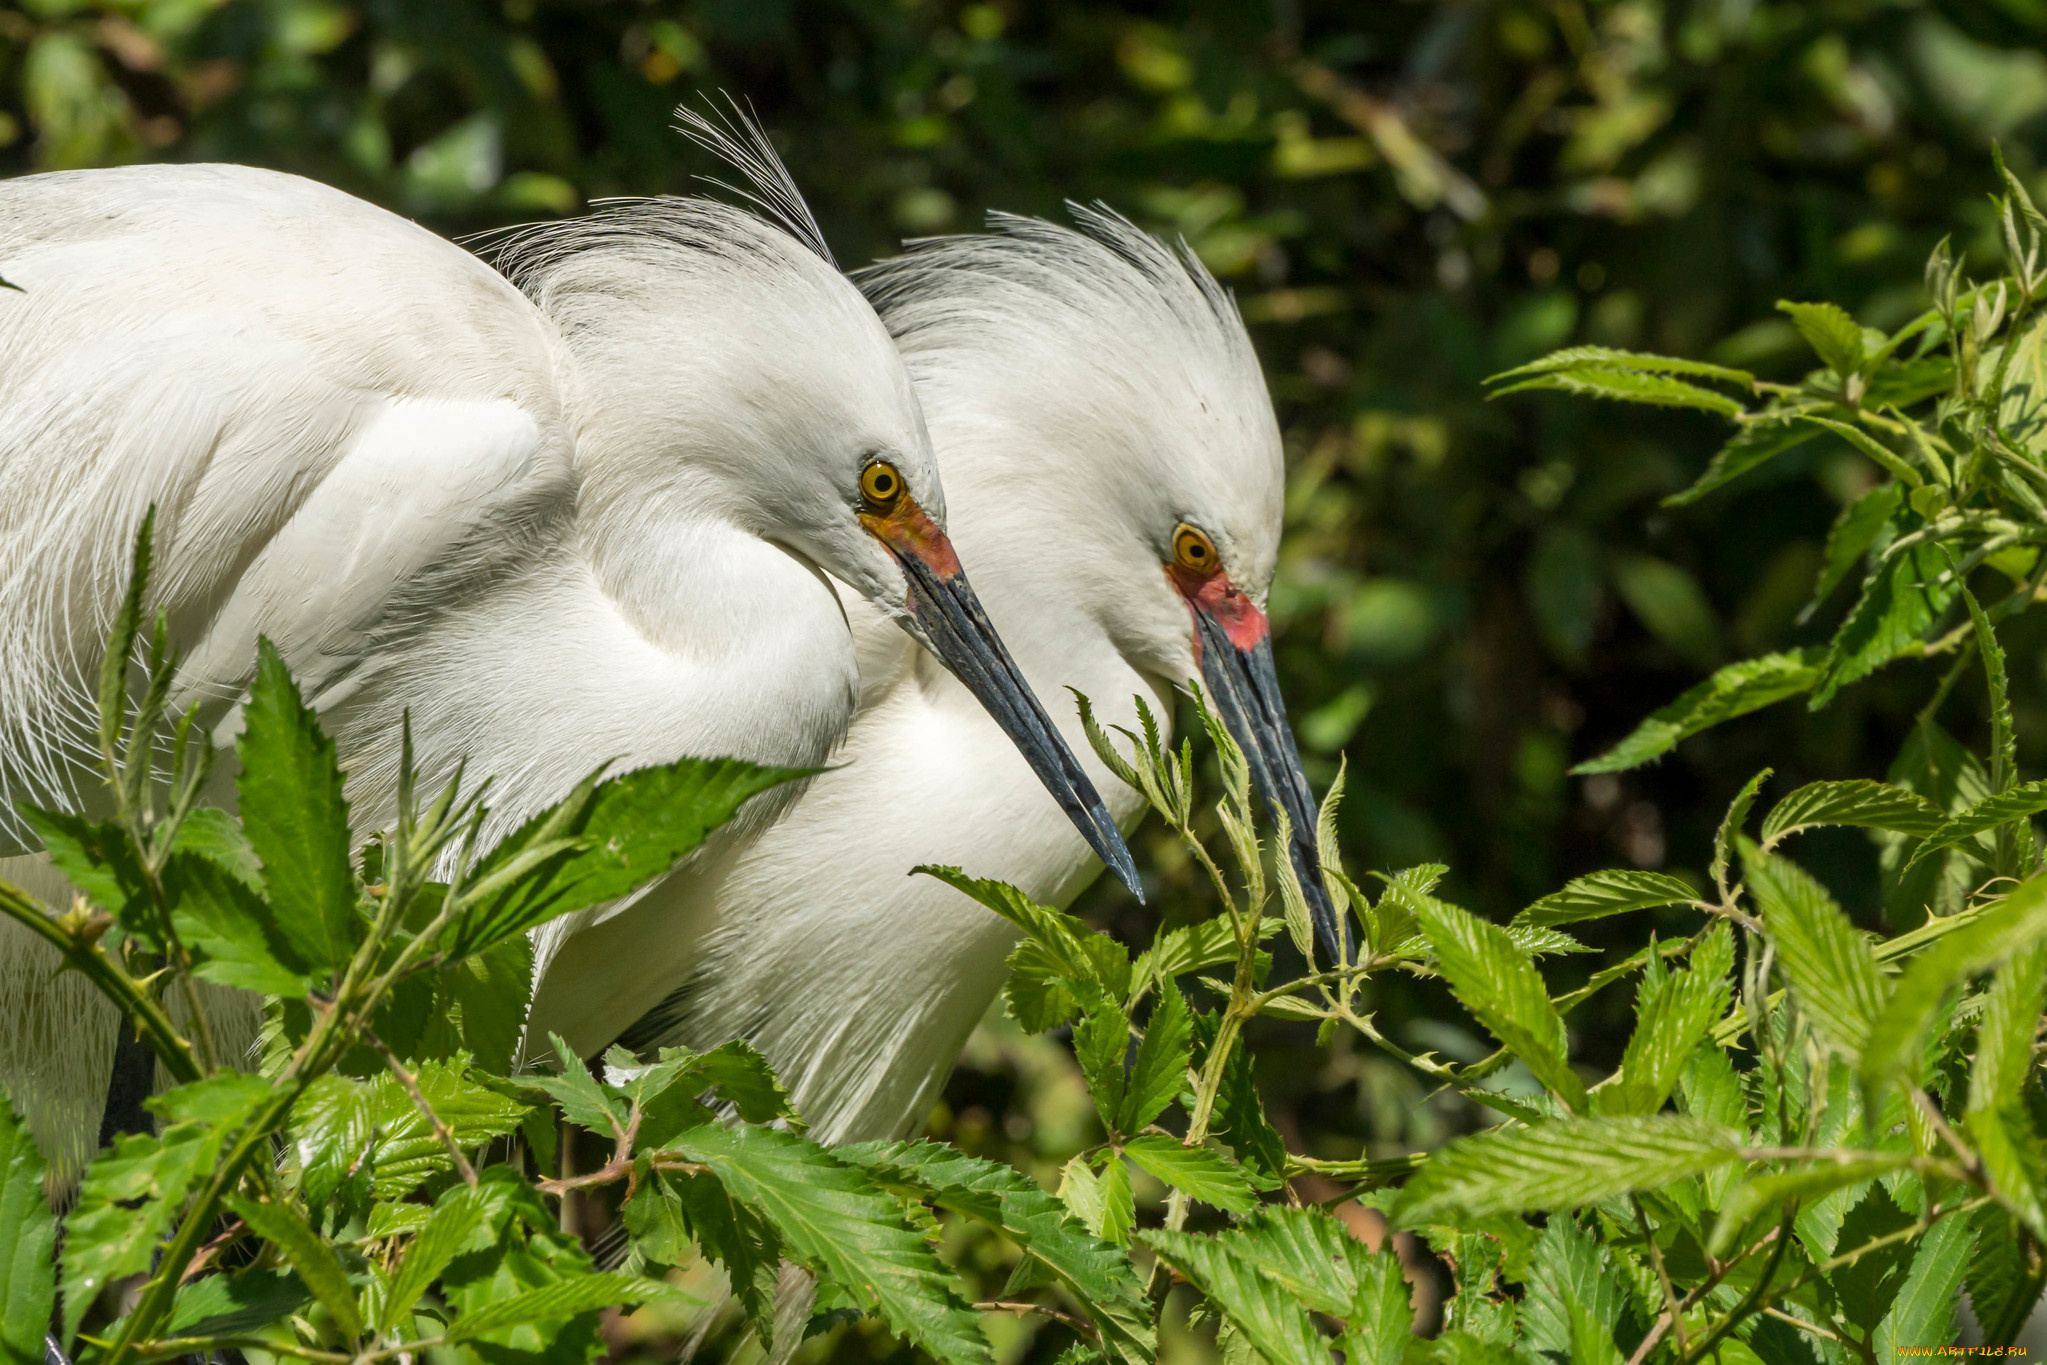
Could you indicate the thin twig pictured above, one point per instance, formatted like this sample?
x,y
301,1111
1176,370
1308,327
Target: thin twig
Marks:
x,y
1671,1304
1081,1325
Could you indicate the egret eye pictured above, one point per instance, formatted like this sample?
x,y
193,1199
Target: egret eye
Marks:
x,y
1193,550
881,485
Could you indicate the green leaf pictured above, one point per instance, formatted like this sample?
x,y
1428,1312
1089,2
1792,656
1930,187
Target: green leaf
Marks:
x,y
1100,1043
1755,445
1498,983
1769,1192
1239,1119
459,1215
1563,1164
113,690
235,1305
1569,1270
480,1004
738,1238
407,1149
833,1219
1080,954
1673,1015
1205,943
1600,894
628,830
564,1298
744,1080
2003,741
1832,973
295,817
311,1257
1119,1206
1899,603
1099,1276
1255,1304
216,836
1870,805
130,1194
2005,1056
1854,531
1732,823
237,935
1924,1311
1380,1322
2011,924
1606,357
583,1101
28,1239
2019,803
1670,602
2015,1160
1734,690
1628,386
1160,1071
1199,1172
97,858
330,1134
1834,336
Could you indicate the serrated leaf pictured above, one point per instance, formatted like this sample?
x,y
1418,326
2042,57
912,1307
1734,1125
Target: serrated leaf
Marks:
x,y
1834,336
1769,1192
296,818
1252,1301
1757,443
1628,386
1735,690
1924,1310
28,1239
832,1218
1099,1276
1201,1173
744,1080
564,1298
312,1258
1160,1070
1497,982
1607,357
1563,1164
2019,803
740,1239
583,1101
1081,954
330,1133
1853,532
130,1194
1101,1041
459,1215
1380,1323
1119,1206
1600,894
2012,924
1833,976
629,829
235,1305
1205,943
96,857
1672,1017
1569,1269
1863,803
407,1151
238,936
1900,602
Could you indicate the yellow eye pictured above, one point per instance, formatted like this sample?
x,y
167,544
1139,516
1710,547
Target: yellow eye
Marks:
x,y
1193,550
880,484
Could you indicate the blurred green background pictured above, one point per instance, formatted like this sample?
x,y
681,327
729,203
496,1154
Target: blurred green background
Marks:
x,y
1406,197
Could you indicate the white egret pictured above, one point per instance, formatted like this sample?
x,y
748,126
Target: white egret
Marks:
x,y
583,514
1115,472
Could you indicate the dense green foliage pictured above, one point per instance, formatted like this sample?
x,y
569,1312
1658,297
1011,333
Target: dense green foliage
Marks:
x,y
1473,597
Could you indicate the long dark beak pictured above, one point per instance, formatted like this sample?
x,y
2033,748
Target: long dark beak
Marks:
x,y
957,630
1245,688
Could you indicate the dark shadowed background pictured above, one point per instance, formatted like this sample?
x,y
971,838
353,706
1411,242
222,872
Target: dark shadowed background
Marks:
x,y
1406,197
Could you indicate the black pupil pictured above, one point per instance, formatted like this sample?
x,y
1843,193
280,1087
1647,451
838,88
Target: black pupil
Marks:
x,y
882,484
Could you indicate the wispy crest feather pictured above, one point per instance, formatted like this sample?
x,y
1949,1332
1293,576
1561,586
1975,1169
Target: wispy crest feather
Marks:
x,y
735,136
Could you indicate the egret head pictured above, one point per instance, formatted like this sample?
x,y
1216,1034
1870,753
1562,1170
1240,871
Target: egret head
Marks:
x,y
721,365
1105,397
